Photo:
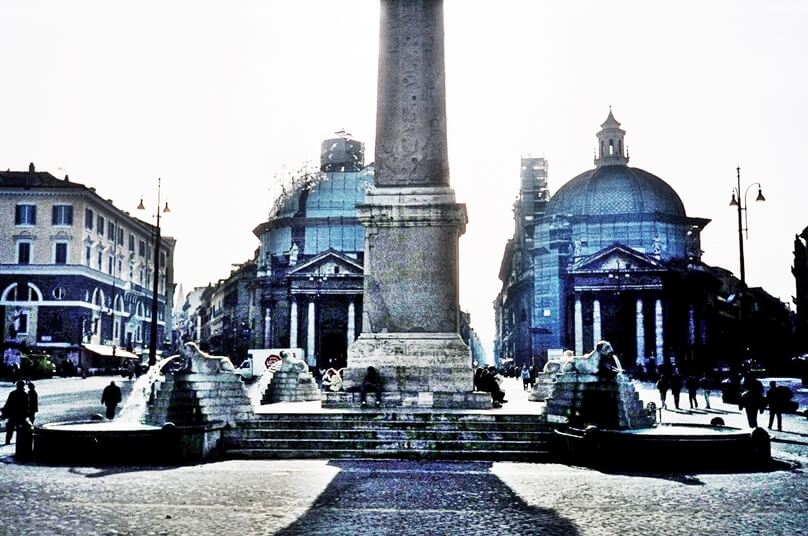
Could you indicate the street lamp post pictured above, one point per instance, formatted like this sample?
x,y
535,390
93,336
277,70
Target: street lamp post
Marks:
x,y
155,278
740,204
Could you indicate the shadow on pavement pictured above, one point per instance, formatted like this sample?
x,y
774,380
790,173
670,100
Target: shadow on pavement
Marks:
x,y
408,497
692,479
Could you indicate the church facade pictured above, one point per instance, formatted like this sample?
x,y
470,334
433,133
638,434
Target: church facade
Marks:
x,y
613,256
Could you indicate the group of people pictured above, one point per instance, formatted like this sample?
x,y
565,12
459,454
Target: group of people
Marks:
x,y
488,380
753,401
20,409
691,383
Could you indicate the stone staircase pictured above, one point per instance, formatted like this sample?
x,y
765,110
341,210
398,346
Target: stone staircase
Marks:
x,y
374,433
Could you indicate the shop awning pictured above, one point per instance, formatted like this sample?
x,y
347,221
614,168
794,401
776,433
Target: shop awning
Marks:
x,y
109,351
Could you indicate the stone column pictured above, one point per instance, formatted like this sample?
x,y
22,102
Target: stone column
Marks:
x,y
596,322
311,335
413,224
640,330
293,323
267,328
579,326
351,322
659,333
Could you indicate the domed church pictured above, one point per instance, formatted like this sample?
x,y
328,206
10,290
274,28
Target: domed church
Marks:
x,y
613,256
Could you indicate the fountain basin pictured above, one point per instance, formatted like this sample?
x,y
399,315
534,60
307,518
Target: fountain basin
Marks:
x,y
120,443
666,446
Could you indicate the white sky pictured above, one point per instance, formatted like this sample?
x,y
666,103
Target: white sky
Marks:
x,y
218,98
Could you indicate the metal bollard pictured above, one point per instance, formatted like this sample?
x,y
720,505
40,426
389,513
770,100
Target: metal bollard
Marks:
x,y
25,441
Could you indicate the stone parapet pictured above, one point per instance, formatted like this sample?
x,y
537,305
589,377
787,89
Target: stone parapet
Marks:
x,y
416,362
410,399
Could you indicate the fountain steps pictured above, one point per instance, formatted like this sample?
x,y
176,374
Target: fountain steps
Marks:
x,y
392,435
375,434
397,454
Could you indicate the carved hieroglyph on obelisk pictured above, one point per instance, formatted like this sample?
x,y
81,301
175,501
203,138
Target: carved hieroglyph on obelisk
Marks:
x,y
412,224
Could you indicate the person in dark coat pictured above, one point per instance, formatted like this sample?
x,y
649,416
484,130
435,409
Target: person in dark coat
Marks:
x,y
752,400
111,397
676,388
662,385
776,399
372,382
692,385
15,410
33,402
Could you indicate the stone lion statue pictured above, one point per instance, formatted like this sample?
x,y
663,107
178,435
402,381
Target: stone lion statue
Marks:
x,y
293,364
601,361
195,360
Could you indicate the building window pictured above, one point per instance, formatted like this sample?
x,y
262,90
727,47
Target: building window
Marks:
x,y
25,215
120,267
120,236
131,243
100,260
59,293
60,253
115,329
111,233
24,252
88,252
62,215
100,225
110,264
16,293
88,218
142,248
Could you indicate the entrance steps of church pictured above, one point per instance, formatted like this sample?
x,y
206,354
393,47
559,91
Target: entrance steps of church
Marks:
x,y
404,434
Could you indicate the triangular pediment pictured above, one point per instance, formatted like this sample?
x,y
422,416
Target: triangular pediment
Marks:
x,y
616,257
328,262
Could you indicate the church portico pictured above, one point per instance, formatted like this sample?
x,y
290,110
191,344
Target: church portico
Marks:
x,y
613,289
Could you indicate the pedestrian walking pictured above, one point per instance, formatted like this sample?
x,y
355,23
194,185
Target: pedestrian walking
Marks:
x,y
33,402
111,397
662,385
676,387
777,398
15,410
692,385
525,377
752,400
705,389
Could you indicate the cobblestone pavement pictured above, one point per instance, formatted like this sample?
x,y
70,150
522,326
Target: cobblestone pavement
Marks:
x,y
310,497
306,497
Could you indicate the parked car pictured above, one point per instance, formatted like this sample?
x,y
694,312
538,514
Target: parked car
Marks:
x,y
731,390
37,366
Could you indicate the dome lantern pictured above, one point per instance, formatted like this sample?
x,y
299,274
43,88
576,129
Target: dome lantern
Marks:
x,y
611,149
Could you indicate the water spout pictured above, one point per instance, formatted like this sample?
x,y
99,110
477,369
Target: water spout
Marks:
x,y
134,408
256,391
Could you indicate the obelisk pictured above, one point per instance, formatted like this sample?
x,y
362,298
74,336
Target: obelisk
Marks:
x,y
412,225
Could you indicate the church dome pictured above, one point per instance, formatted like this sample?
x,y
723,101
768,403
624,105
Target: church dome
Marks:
x,y
616,189
613,187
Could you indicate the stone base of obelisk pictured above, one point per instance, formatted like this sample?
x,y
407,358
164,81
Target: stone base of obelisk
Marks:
x,y
418,370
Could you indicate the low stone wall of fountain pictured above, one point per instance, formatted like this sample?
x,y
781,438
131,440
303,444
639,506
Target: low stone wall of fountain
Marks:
x,y
187,414
198,403
600,421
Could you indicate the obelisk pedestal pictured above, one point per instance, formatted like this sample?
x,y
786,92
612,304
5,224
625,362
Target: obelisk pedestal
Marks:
x,y
412,226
